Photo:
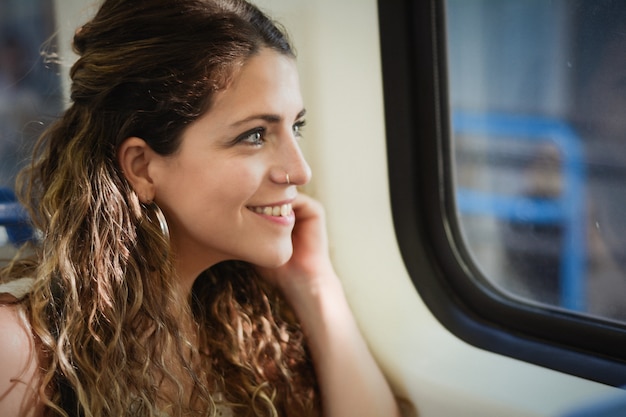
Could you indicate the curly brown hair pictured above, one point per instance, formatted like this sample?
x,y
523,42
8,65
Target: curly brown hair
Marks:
x,y
104,307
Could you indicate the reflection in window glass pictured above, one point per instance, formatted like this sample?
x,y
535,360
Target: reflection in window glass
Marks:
x,y
29,99
538,92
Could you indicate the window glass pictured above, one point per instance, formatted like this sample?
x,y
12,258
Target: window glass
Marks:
x,y
538,95
29,99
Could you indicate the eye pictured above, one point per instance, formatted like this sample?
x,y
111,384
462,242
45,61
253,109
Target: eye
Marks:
x,y
298,127
254,137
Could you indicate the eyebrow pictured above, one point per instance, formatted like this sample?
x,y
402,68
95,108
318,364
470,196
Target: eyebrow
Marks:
x,y
269,118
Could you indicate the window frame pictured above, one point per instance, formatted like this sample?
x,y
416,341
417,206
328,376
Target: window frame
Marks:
x,y
414,67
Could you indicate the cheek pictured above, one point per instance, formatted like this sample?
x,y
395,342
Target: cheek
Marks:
x,y
234,183
196,186
225,185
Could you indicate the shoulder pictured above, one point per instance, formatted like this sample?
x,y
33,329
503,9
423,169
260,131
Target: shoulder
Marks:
x,y
17,288
19,368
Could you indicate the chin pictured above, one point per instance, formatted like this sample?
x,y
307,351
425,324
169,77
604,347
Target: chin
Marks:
x,y
275,260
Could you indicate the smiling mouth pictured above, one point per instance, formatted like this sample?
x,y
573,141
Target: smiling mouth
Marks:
x,y
283,210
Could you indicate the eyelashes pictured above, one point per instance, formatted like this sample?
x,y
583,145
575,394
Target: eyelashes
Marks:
x,y
253,137
256,136
298,127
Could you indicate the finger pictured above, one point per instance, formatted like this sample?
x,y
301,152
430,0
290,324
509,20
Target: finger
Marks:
x,y
305,207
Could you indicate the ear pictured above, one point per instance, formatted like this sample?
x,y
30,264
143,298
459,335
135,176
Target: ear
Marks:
x,y
134,157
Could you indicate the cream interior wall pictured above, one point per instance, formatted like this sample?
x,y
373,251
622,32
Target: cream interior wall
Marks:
x,y
337,42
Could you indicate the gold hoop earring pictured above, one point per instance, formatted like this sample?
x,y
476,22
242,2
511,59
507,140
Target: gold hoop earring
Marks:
x,y
161,219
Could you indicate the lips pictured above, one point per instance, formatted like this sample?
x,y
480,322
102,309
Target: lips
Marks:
x,y
282,210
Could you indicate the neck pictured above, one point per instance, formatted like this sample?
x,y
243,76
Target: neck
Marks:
x,y
189,263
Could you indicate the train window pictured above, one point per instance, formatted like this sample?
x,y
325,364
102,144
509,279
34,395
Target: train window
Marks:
x,y
30,96
537,95
507,167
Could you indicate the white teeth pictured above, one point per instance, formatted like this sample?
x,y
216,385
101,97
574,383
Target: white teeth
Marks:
x,y
276,211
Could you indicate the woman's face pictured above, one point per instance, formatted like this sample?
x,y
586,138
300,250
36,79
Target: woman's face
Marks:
x,y
224,192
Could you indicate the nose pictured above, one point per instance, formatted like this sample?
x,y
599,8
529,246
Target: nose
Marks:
x,y
292,167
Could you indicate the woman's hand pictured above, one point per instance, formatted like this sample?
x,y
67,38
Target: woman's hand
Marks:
x,y
310,264
350,381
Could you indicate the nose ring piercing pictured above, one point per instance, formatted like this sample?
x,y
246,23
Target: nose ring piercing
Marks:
x,y
287,178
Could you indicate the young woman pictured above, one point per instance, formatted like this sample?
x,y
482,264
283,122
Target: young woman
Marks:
x,y
179,272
